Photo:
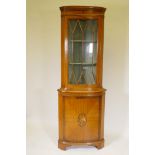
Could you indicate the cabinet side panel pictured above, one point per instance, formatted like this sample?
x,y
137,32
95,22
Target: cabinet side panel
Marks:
x,y
102,109
60,111
100,51
64,51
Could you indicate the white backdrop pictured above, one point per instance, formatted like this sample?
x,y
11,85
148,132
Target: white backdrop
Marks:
x,y
43,75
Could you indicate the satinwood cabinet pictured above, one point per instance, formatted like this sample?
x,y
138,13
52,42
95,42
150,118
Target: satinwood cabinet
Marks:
x,y
81,96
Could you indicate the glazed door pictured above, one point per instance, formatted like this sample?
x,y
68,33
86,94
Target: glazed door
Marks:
x,y
82,51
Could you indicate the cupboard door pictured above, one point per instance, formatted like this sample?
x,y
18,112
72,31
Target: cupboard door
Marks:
x,y
81,118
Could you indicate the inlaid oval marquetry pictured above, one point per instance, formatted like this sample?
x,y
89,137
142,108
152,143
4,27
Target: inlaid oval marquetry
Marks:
x,y
82,120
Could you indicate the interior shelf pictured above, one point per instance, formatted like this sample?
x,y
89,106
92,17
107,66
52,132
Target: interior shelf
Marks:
x,y
82,63
86,41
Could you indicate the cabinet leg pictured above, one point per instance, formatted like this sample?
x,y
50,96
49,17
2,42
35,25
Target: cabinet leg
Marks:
x,y
62,146
99,145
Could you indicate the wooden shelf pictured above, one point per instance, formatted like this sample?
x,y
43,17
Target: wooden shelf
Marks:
x,y
86,41
80,63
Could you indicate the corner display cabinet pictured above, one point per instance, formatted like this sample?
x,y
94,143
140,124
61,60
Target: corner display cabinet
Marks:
x,y
81,96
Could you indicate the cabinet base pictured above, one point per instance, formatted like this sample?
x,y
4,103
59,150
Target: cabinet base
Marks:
x,y
64,144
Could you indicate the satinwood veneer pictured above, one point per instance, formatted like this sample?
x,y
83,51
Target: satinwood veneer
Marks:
x,y
81,96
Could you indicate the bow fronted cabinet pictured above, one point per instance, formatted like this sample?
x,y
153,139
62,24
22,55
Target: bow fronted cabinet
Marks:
x,y
81,96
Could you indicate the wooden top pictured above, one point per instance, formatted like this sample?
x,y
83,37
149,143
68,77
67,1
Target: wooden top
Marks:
x,y
83,9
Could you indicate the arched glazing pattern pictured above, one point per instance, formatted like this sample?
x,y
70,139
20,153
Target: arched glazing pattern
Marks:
x,y
82,51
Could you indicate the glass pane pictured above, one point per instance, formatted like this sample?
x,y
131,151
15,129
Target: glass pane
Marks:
x,y
82,51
